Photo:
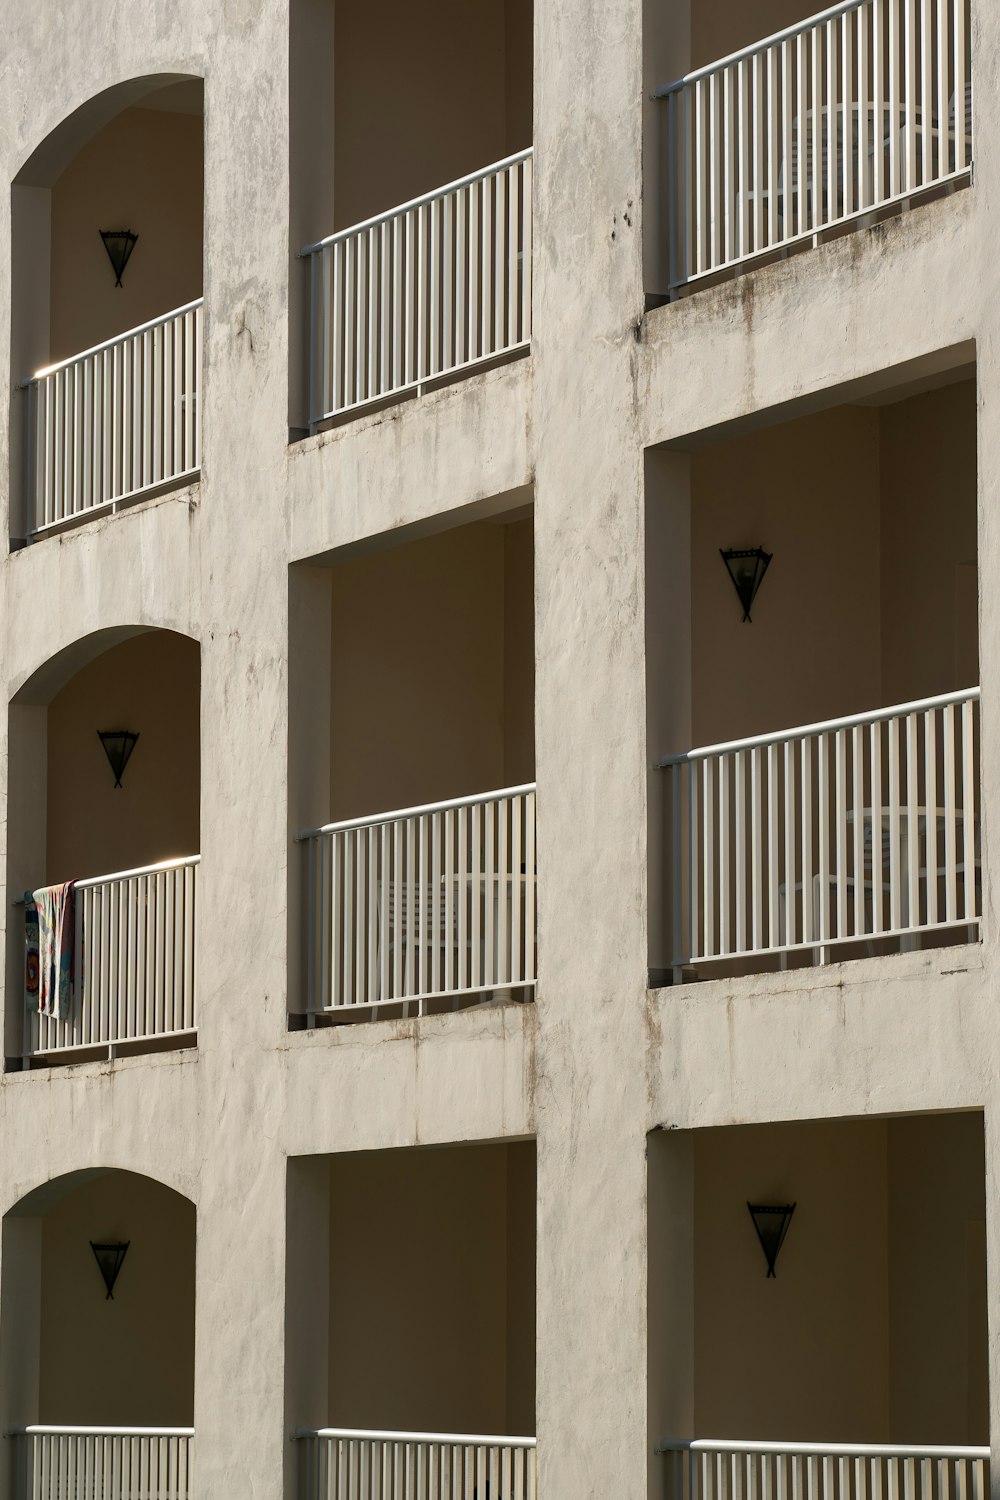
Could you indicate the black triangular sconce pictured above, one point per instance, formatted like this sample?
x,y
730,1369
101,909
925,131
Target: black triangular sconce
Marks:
x,y
771,1223
118,746
119,243
747,567
110,1258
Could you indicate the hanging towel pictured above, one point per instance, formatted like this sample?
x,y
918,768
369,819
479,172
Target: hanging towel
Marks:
x,y
30,951
51,910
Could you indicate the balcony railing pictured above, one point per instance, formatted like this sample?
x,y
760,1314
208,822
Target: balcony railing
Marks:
x,y
117,421
717,1469
863,106
434,902
135,970
341,1463
425,290
103,1463
849,832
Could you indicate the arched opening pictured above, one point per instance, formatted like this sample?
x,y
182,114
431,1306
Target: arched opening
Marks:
x,y
112,866
78,1355
106,368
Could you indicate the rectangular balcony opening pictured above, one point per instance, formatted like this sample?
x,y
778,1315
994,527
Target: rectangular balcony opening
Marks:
x,y
789,127
419,891
117,866
109,374
403,1397
411,210
820,1379
825,804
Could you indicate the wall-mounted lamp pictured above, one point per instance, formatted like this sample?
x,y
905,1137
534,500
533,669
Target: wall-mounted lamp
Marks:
x,y
119,243
747,567
118,746
771,1223
110,1258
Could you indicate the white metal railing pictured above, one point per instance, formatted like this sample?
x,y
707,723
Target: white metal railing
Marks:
x,y
429,288
117,420
103,1463
855,830
342,1463
859,107
135,969
426,902
719,1469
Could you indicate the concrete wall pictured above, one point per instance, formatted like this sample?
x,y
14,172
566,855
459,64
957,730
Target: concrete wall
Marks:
x,y
142,172
425,94
130,1359
149,684
874,1326
432,1320
432,678
723,26
927,458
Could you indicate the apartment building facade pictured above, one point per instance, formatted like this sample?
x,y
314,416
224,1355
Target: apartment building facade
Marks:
x,y
479,903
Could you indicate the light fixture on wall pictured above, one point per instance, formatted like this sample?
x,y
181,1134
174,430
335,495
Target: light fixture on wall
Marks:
x,y
771,1222
119,243
118,746
747,566
109,1258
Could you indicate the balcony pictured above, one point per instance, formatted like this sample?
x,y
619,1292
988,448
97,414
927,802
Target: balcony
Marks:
x,y
134,962
118,422
423,292
714,1469
113,412
378,1372
851,114
116,1463
429,907
358,1464
802,1338
828,840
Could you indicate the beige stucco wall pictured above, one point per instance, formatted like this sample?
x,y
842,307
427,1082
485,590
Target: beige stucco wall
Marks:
x,y
142,172
129,1359
432,1290
463,70
432,674
149,684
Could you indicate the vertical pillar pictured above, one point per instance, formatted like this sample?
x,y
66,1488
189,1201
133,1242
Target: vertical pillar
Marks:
x,y
27,797
670,1299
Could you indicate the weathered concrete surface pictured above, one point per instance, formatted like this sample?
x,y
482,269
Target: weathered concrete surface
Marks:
x,y
599,1061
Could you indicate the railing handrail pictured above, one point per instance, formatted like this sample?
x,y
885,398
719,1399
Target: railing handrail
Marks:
x,y
45,1430
165,864
815,1450
349,824
403,208
454,1439
820,18
119,338
803,731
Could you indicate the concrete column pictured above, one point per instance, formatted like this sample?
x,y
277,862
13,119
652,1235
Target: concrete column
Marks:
x,y
20,1333
30,209
591,752
27,731
307,1301
668,671
670,1298
666,55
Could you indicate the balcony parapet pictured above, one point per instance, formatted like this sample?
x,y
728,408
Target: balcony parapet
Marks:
x,y
118,421
368,1464
426,904
117,1463
135,964
427,290
848,832
723,1469
855,111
